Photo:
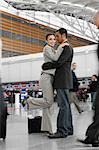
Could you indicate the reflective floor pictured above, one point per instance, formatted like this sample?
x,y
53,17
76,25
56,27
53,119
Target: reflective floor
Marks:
x,y
19,139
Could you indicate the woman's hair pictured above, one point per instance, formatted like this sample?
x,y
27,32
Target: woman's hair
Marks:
x,y
49,35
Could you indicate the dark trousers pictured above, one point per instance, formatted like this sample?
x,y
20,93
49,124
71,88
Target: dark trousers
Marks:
x,y
93,130
3,129
64,119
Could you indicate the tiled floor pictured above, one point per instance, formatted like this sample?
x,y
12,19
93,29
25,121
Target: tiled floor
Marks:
x,y
19,139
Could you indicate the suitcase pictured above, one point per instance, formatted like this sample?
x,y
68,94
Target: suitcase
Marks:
x,y
34,124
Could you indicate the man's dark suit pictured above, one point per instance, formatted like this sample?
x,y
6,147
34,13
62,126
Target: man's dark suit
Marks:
x,y
63,82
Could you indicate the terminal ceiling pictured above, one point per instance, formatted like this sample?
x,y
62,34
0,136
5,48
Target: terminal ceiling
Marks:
x,y
77,14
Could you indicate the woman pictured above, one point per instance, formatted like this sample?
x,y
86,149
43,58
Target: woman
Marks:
x,y
46,82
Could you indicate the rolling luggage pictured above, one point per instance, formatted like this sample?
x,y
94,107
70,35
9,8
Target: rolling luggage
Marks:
x,y
34,124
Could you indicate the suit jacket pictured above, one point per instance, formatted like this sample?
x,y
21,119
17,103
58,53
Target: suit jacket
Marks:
x,y
63,74
75,82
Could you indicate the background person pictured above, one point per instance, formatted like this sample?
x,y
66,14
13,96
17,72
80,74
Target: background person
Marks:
x,y
3,115
92,88
73,91
92,133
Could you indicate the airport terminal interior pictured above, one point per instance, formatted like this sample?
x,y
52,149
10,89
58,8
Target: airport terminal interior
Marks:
x,y
24,25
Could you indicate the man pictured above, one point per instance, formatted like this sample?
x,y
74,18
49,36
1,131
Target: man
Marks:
x,y
62,83
73,96
3,115
92,133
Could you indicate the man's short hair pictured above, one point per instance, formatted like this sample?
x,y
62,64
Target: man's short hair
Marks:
x,y
62,31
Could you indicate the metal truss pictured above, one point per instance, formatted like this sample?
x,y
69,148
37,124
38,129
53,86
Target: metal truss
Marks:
x,y
80,27
75,14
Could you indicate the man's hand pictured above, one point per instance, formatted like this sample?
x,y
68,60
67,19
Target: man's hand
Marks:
x,y
47,66
64,44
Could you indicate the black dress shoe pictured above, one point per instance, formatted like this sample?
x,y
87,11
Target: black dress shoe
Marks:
x,y
56,136
86,141
94,143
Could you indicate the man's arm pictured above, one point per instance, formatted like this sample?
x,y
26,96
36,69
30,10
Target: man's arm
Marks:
x,y
48,65
66,54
